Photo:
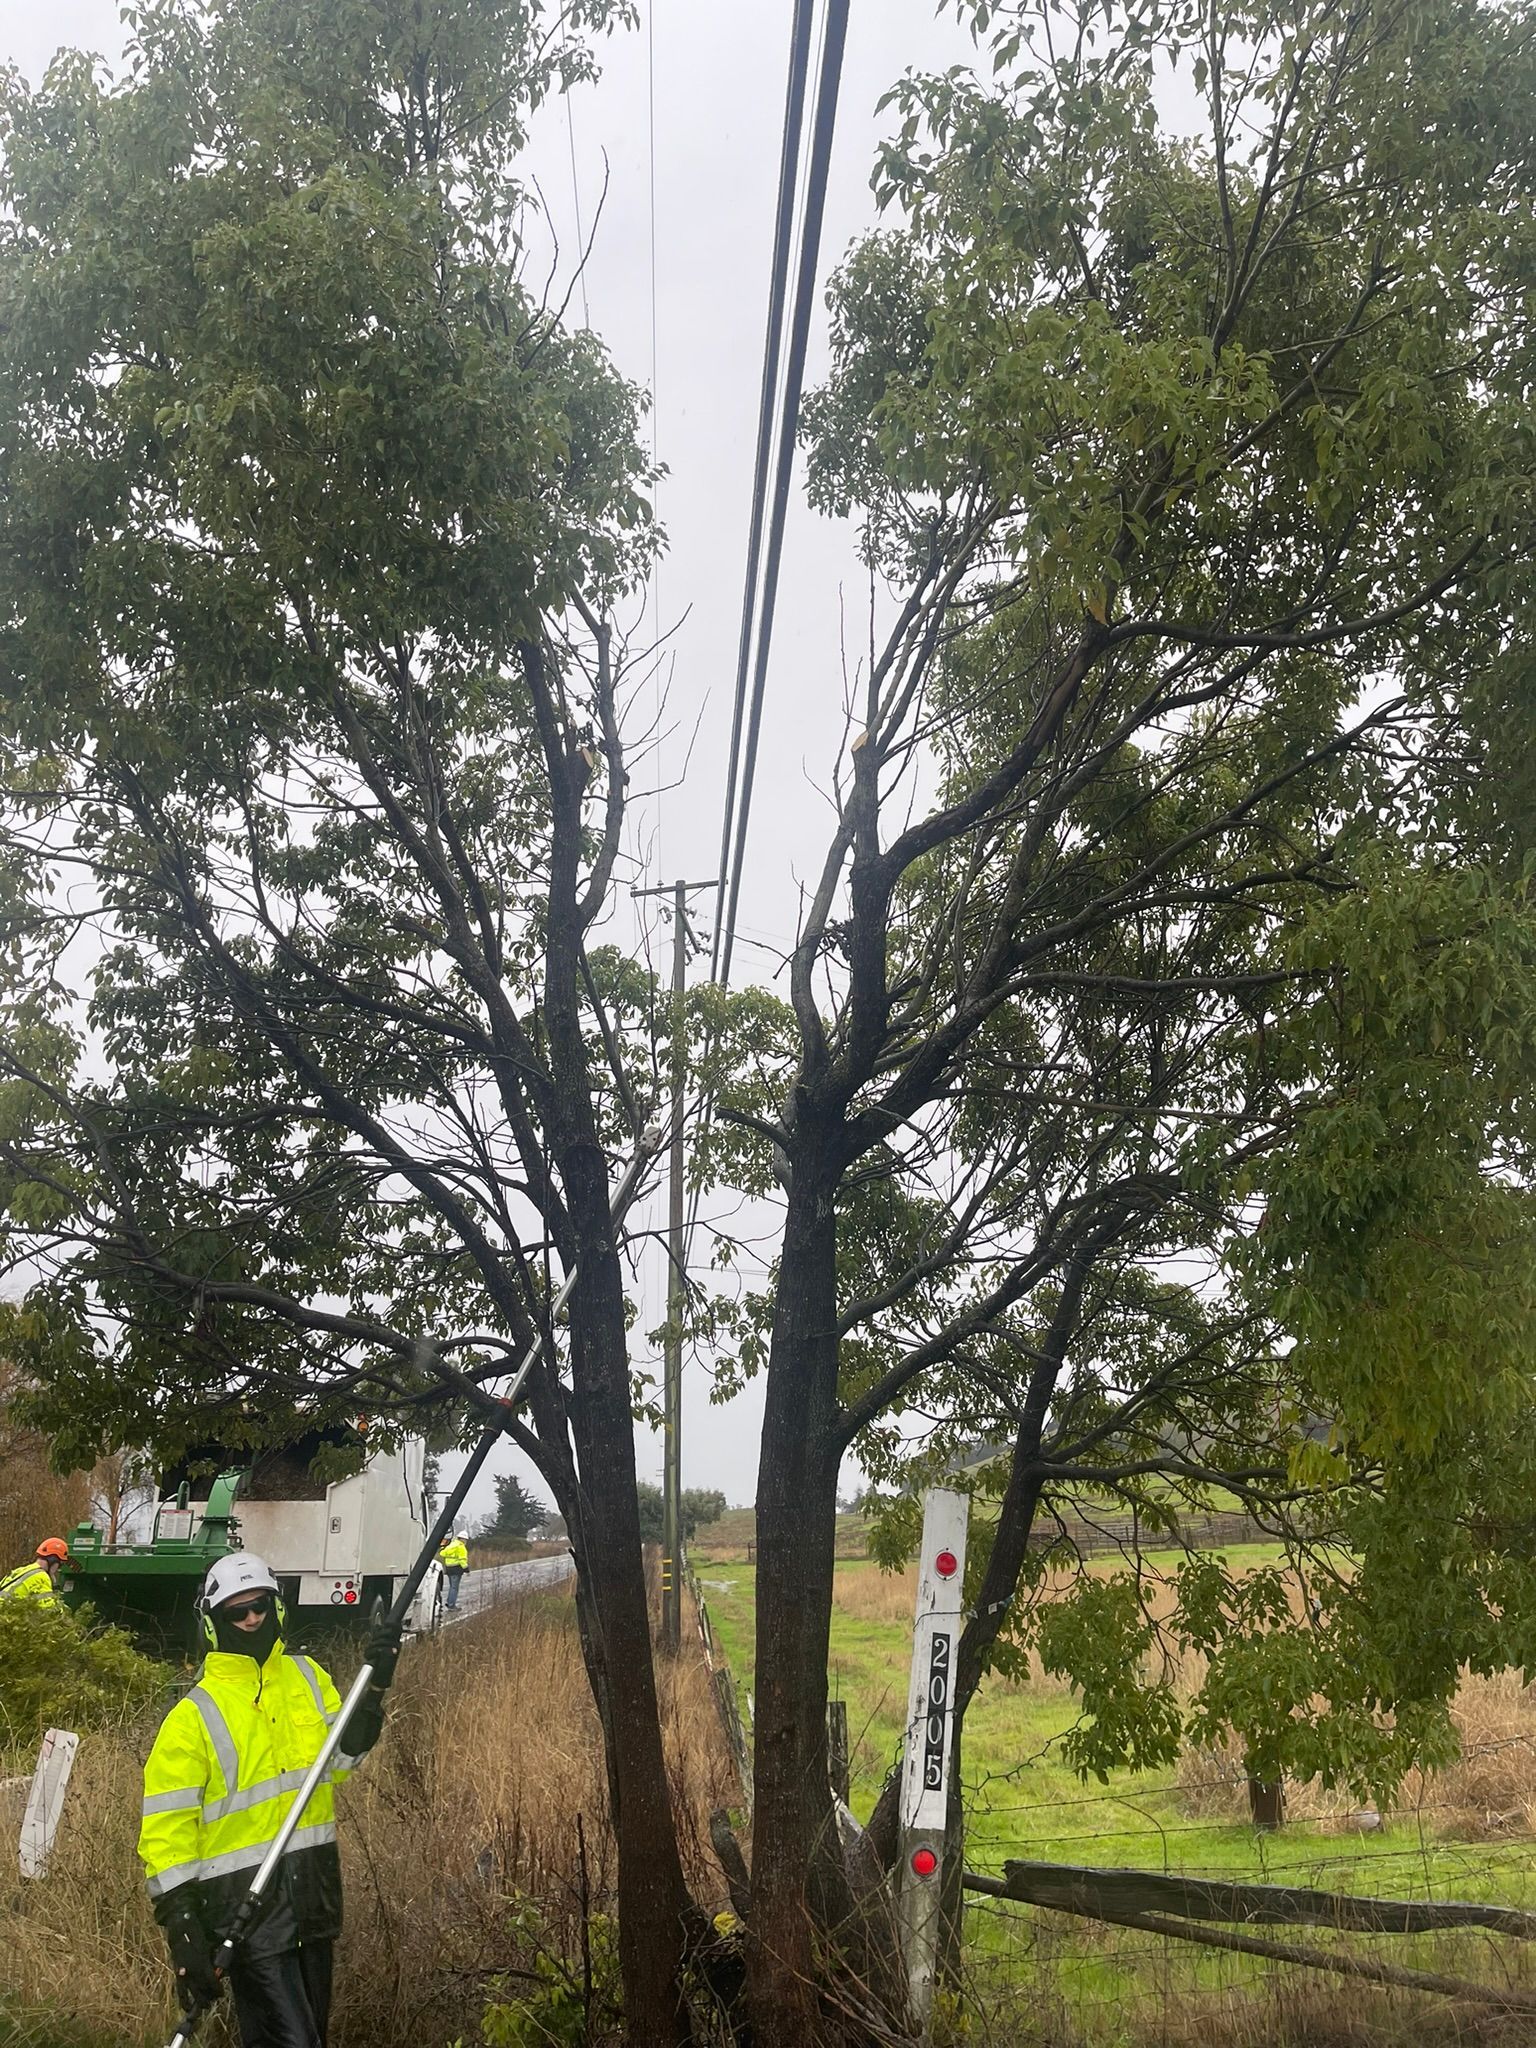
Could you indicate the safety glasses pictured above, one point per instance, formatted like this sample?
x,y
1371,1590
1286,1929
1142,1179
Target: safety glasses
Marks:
x,y
257,1608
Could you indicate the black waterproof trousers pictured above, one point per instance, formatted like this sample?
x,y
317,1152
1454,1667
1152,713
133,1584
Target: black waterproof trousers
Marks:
x,y
283,2001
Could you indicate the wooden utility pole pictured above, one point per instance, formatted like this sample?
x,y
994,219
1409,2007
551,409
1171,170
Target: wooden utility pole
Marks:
x,y
677,1291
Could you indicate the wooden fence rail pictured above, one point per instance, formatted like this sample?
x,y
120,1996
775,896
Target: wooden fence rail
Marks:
x,y
1176,1906
1077,1888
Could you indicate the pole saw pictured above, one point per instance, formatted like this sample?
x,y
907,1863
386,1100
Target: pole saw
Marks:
x,y
251,1904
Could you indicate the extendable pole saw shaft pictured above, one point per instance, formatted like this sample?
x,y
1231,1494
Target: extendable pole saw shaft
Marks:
x,y
250,1905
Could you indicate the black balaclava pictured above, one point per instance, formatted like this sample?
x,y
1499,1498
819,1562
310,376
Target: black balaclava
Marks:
x,y
248,1642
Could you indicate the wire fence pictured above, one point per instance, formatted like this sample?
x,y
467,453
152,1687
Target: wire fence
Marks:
x,y
1051,1976
1046,1976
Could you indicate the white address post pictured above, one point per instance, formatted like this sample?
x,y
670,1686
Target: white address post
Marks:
x,y
45,1802
929,1748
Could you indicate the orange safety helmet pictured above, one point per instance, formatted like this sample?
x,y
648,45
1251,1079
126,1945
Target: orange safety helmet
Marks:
x,y
54,1547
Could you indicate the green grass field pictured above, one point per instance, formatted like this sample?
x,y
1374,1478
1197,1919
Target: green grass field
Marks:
x,y
1024,1802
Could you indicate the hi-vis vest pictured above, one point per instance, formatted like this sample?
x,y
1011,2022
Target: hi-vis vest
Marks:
x,y
29,1582
453,1553
218,1785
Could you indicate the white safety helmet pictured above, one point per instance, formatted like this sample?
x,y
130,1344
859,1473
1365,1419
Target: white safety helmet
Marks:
x,y
459,1536
241,1572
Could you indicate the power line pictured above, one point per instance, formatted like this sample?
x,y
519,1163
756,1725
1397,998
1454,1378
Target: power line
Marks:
x,y
768,397
783,236
786,407
789,417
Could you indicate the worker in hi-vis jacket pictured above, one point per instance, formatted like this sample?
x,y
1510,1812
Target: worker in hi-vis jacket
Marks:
x,y
453,1556
38,1579
220,1779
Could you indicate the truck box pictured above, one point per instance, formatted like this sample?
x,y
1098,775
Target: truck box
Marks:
x,y
352,1546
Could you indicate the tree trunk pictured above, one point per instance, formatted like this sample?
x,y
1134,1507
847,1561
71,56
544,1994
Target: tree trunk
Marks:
x,y
952,1897
793,1836
653,1898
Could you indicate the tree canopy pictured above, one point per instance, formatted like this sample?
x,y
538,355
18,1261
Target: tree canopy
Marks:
x,y
1151,1100
1158,1102
314,518
699,1506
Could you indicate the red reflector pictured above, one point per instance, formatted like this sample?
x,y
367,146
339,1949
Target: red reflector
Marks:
x,y
349,1598
924,1862
946,1564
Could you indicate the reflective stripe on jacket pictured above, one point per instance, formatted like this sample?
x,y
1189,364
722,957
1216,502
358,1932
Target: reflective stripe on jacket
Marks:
x,y
453,1554
29,1582
218,1785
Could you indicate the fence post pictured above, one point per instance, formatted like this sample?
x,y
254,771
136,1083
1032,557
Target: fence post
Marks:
x,y
837,1747
929,1745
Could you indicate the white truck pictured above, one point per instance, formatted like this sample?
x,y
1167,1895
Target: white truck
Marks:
x,y
336,1547
355,1544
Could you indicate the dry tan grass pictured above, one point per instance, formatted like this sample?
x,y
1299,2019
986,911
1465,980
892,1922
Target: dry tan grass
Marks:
x,y
482,1554
1489,1792
1301,2010
486,1793
1492,1790
80,1946
35,1501
869,1594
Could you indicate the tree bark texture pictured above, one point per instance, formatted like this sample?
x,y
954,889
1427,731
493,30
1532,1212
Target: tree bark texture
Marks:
x,y
794,1840
653,1898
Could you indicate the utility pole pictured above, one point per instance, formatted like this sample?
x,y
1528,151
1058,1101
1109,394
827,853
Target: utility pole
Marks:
x,y
677,1293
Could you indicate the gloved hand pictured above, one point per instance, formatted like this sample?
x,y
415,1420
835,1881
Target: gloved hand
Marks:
x,y
191,1959
381,1649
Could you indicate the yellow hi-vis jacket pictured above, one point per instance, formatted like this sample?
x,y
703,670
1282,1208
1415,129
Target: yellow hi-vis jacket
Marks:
x,y
453,1553
29,1582
220,1779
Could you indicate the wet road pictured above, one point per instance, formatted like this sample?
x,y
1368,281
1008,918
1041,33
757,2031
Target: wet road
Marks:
x,y
483,1588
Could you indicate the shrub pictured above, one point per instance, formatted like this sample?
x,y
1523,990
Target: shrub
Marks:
x,y
58,1670
563,2002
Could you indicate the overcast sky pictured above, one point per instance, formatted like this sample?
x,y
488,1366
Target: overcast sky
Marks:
x,y
714,71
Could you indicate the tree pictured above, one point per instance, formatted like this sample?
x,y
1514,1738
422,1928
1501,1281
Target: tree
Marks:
x,y
122,1486
35,1500
697,1509
518,1512
1199,470
701,1506
315,522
